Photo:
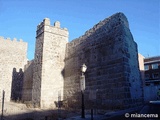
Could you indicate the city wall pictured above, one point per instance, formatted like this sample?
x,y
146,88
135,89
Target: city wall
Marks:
x,y
13,55
110,53
108,49
27,82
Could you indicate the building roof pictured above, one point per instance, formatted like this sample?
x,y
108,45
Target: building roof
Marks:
x,y
152,59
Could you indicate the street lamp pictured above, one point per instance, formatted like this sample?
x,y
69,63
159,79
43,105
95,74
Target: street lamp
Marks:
x,y
83,68
82,86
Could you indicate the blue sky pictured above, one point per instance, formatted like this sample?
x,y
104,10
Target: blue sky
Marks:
x,y
19,19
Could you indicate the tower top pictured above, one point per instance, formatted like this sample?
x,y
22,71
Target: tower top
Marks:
x,y
46,21
45,26
57,24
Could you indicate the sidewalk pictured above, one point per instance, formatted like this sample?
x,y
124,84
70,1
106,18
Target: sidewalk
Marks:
x,y
87,117
109,115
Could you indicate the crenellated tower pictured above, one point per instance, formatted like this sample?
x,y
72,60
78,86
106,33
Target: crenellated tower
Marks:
x,y
49,64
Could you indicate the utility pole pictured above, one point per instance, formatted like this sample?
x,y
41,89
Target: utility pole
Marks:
x,y
3,95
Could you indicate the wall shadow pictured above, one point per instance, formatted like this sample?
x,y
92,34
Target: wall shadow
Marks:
x,y
41,115
17,85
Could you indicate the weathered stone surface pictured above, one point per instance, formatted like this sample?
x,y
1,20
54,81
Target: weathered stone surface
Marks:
x,y
13,54
49,64
108,49
28,81
110,53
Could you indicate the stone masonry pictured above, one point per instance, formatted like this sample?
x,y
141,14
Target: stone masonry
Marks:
x,y
108,49
13,56
110,53
49,64
27,82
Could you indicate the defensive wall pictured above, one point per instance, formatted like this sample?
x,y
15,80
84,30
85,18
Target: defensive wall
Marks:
x,y
13,57
27,82
108,49
112,77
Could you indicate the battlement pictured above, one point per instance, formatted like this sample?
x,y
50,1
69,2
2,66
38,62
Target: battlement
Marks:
x,y
46,22
11,45
17,71
45,26
11,40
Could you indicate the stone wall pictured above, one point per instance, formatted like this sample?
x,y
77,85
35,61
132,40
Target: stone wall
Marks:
x,y
110,53
28,81
150,92
13,54
49,63
37,69
108,49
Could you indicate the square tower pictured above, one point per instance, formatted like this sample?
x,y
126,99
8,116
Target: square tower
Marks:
x,y
49,64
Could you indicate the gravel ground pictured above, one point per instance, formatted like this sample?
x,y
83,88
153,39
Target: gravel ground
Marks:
x,y
19,111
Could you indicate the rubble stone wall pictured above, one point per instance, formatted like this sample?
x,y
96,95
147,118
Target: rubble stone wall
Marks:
x,y
13,54
110,53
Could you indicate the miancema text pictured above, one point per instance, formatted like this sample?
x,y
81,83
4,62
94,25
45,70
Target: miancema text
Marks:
x,y
136,115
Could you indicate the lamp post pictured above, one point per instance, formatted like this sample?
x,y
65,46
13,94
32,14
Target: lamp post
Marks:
x,y
82,86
